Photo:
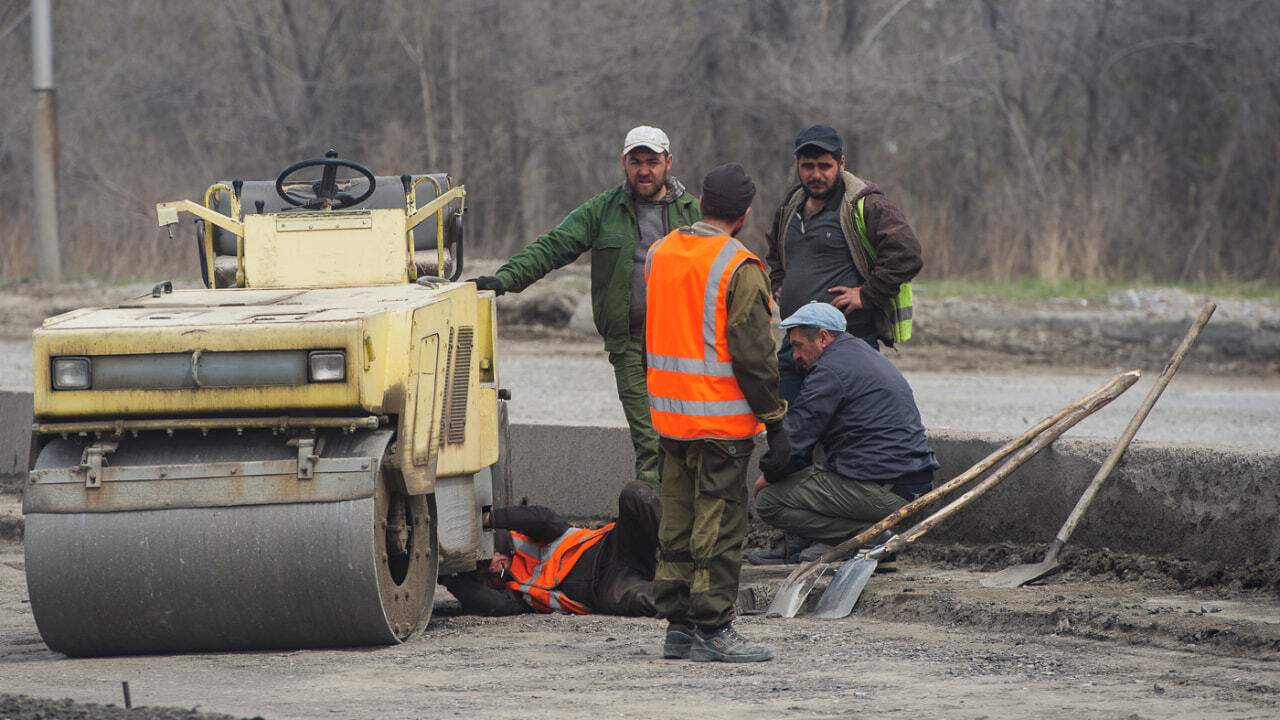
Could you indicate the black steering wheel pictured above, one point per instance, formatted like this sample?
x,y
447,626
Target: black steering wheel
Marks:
x,y
327,193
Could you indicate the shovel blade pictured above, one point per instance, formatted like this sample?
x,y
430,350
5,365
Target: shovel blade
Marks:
x,y
790,596
1020,575
845,588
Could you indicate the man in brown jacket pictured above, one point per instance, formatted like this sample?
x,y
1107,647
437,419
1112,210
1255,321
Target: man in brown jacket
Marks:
x,y
817,253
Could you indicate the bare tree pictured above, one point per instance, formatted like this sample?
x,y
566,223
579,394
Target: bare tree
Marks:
x,y
1095,138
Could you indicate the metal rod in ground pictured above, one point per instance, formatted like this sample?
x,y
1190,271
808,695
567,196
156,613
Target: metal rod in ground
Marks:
x,y
128,701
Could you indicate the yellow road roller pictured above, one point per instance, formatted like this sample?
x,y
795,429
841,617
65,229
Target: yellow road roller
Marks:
x,y
286,458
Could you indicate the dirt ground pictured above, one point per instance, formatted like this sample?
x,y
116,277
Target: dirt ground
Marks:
x,y
1111,636
1108,637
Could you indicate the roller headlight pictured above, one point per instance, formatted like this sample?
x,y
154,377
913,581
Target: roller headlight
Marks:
x,y
327,365
71,373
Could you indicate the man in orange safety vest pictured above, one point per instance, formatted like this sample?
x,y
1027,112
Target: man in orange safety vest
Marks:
x,y
543,564
713,385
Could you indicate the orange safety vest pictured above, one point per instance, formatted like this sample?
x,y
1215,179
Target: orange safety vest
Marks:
x,y
693,393
537,569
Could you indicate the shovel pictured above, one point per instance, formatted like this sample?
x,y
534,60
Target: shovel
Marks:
x,y
845,588
1020,575
793,591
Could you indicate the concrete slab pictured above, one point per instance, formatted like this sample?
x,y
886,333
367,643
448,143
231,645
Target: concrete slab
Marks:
x,y
15,435
1197,503
578,469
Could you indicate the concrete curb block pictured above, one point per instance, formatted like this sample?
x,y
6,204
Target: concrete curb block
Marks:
x,y
1197,503
15,435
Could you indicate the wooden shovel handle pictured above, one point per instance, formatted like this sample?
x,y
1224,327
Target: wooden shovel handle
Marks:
x,y
978,468
1111,391
1122,444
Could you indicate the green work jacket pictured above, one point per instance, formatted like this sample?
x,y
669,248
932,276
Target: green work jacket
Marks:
x,y
605,225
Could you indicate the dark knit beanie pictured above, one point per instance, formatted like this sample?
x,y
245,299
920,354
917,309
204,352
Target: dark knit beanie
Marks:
x,y
727,190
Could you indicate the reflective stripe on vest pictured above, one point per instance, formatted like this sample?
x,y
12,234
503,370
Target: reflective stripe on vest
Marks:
x,y
537,570
900,304
693,392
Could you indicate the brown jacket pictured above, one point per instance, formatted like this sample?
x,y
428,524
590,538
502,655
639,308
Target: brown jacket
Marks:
x,y
898,253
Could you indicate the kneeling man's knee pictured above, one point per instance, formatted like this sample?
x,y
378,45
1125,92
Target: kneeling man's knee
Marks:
x,y
767,507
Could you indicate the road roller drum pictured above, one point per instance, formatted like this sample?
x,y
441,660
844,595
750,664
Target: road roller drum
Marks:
x,y
254,558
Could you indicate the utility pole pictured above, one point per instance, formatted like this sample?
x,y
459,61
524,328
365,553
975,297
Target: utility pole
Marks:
x,y
44,146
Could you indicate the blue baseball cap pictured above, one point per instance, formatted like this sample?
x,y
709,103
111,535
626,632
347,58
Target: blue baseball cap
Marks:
x,y
821,315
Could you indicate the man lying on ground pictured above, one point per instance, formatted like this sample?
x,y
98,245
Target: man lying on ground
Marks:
x,y
542,564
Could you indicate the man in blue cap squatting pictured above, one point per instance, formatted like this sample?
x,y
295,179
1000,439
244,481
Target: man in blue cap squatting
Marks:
x,y
855,403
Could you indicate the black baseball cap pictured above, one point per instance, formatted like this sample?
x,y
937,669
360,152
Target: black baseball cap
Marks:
x,y
824,137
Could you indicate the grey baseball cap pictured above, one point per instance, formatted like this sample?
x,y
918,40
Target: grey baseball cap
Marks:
x,y
817,314
646,137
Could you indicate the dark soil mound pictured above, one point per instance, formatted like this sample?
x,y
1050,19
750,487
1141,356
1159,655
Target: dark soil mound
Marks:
x,y
21,707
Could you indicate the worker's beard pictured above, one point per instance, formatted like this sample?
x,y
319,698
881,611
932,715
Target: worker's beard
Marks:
x,y
657,191
824,195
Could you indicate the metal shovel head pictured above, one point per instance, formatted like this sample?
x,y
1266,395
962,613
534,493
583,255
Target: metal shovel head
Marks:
x,y
1020,575
790,597
845,588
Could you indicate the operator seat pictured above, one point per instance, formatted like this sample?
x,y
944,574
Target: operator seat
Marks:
x,y
389,193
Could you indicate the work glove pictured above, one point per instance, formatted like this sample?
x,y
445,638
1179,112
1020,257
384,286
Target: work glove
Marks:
x,y
488,282
773,464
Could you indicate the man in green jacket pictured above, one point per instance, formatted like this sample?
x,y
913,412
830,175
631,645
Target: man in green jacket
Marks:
x,y
618,226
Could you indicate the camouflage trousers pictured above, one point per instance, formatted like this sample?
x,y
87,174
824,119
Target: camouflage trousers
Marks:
x,y
704,520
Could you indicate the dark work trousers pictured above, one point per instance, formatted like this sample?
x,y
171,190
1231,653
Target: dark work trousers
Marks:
x,y
704,520
629,556
818,504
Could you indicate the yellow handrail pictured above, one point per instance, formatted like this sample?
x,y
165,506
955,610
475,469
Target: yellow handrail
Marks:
x,y
209,252
436,207
439,226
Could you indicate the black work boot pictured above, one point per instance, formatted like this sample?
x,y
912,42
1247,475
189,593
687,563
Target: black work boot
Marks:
x,y
786,550
814,551
679,641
